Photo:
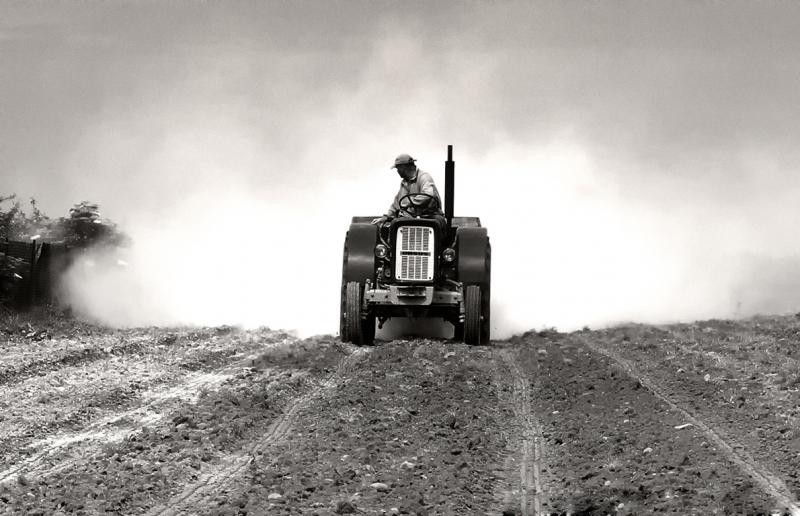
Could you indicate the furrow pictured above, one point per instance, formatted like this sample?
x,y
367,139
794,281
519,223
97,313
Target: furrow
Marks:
x,y
211,482
767,480
530,484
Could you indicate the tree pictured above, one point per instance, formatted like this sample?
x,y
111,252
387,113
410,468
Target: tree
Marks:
x,y
84,227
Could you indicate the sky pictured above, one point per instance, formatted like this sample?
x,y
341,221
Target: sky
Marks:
x,y
633,161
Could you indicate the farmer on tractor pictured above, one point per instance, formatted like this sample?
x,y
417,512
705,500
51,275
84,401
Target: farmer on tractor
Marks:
x,y
417,197
417,261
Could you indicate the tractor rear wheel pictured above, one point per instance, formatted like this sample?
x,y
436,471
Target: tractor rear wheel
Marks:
x,y
359,330
486,317
472,315
344,332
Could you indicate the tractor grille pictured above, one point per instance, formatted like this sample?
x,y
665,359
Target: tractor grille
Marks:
x,y
414,253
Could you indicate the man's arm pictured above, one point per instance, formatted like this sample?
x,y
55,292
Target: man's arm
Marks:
x,y
394,208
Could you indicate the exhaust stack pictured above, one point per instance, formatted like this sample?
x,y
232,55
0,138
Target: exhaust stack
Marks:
x,y
449,186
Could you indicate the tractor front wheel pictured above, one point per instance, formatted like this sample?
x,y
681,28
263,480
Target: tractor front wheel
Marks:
x,y
472,315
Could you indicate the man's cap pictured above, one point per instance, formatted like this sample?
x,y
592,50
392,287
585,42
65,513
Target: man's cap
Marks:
x,y
402,159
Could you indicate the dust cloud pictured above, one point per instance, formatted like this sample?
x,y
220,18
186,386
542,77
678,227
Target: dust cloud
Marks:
x,y
629,168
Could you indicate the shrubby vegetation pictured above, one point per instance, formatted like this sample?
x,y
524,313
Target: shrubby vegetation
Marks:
x,y
82,228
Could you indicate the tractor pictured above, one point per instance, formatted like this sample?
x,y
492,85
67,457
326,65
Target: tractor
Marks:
x,y
416,267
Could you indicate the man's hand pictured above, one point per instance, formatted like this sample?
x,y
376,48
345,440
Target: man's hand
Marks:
x,y
381,220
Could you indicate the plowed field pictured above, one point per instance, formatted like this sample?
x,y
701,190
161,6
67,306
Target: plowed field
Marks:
x,y
684,419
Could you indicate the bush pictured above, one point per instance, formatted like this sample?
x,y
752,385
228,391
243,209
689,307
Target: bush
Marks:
x,y
82,228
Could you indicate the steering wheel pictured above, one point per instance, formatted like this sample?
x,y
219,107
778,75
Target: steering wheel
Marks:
x,y
416,208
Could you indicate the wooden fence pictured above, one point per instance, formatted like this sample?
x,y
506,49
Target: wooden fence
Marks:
x,y
44,264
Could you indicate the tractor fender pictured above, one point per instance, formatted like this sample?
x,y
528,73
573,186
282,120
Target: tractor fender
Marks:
x,y
359,253
474,256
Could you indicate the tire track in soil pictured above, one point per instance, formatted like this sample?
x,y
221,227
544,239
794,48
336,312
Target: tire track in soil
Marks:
x,y
767,480
175,350
46,460
36,464
528,483
211,482
71,358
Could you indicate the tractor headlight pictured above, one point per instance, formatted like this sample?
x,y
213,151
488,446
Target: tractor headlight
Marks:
x,y
381,251
449,255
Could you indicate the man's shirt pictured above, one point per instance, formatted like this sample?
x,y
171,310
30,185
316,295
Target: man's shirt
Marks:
x,y
423,183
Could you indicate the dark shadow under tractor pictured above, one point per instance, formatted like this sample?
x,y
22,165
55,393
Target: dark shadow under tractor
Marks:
x,y
417,267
